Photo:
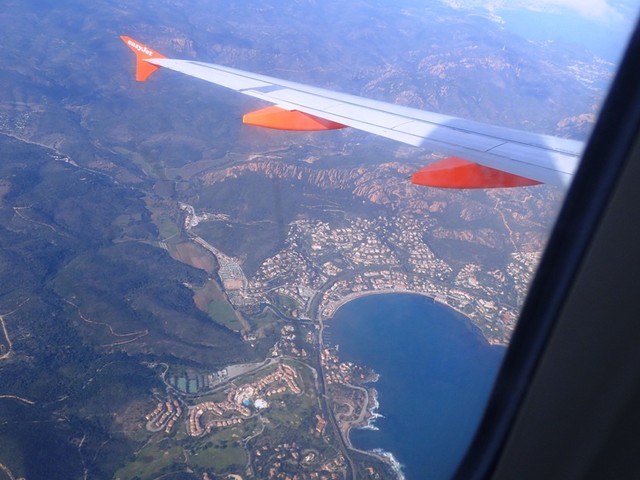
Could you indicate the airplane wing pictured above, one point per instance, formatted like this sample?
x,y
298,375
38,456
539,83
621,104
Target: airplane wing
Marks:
x,y
481,155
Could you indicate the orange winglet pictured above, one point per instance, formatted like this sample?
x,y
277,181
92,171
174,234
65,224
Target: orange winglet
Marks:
x,y
143,69
456,172
281,119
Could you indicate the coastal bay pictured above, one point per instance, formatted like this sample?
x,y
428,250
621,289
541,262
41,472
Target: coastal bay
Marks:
x,y
436,372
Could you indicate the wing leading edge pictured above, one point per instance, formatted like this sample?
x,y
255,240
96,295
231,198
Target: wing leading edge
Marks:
x,y
499,157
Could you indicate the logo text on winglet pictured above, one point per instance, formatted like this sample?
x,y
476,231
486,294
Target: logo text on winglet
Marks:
x,y
140,48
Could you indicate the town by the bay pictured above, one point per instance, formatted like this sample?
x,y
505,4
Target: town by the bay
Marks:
x,y
287,302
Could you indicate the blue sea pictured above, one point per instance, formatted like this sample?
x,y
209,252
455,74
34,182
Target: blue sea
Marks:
x,y
436,371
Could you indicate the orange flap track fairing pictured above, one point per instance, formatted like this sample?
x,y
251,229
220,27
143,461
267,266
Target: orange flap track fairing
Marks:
x,y
454,172
281,119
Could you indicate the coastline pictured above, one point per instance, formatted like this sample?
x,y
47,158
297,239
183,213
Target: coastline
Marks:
x,y
370,418
372,407
335,306
373,411
367,421
391,460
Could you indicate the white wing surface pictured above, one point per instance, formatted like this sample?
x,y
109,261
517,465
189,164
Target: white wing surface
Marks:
x,y
540,158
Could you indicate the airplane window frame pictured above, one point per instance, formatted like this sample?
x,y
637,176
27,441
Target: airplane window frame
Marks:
x,y
614,138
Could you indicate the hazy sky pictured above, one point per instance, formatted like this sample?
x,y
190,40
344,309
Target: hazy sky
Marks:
x,y
601,26
606,10
587,8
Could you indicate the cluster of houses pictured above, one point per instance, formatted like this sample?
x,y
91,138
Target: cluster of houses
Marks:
x,y
164,415
239,399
